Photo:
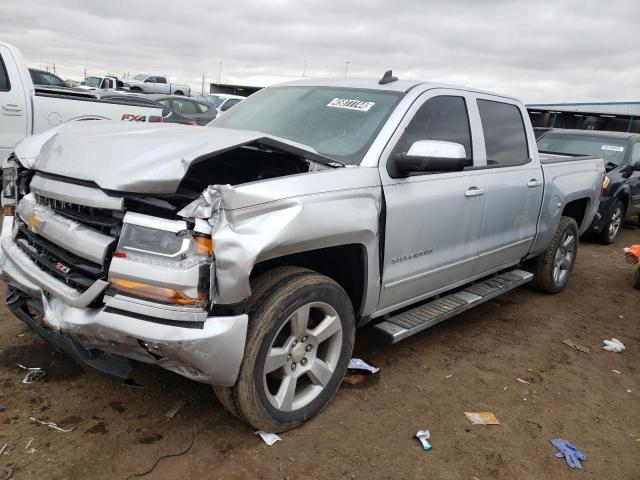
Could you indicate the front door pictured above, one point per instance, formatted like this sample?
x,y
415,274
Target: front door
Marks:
x,y
13,111
433,220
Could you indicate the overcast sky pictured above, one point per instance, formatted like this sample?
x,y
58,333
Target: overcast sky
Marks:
x,y
541,51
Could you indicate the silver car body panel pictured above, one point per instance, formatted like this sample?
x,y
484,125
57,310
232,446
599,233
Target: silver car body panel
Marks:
x,y
72,193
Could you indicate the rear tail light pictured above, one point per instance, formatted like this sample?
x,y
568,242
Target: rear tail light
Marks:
x,y
156,119
190,122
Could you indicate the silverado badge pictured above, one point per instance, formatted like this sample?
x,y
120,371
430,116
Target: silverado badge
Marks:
x,y
32,220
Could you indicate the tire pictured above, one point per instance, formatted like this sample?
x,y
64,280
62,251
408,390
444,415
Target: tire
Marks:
x,y
610,229
306,322
552,269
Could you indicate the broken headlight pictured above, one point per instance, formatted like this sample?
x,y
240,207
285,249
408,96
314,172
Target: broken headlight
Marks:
x,y
168,245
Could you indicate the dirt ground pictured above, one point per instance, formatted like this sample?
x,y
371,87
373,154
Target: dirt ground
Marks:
x,y
470,363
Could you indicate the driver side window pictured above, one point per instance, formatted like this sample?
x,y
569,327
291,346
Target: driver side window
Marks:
x,y
442,118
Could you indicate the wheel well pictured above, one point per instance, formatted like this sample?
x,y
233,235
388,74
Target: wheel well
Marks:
x,y
576,210
624,198
346,264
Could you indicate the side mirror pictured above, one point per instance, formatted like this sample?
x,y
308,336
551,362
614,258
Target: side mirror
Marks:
x,y
431,156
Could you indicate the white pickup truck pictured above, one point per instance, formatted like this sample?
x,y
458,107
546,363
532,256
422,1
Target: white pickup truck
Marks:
x,y
145,83
26,109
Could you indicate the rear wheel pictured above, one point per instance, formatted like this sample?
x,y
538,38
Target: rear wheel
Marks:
x,y
179,92
551,270
298,347
610,229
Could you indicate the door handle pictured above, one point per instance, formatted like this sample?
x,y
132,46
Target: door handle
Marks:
x,y
474,192
534,182
12,109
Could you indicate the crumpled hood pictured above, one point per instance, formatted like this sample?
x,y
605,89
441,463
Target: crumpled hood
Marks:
x,y
145,158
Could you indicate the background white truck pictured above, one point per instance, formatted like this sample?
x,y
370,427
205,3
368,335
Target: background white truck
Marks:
x,y
26,109
145,83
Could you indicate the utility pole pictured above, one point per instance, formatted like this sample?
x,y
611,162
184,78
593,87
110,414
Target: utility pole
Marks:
x,y
304,68
85,74
203,75
219,71
346,68
54,68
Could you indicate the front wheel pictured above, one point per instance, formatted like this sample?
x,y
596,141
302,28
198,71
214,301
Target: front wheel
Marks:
x,y
551,270
300,339
610,229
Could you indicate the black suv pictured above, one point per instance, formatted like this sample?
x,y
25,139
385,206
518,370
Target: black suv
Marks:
x,y
621,153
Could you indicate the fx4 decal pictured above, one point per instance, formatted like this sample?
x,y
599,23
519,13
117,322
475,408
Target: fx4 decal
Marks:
x,y
134,118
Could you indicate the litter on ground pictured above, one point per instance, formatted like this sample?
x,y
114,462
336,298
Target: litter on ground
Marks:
x,y
522,381
613,345
34,374
269,438
358,364
577,346
572,455
482,418
51,425
423,436
175,409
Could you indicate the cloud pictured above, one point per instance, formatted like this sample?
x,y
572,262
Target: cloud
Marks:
x,y
541,51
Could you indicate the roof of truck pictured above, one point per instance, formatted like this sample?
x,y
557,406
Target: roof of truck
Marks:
x,y
594,133
372,84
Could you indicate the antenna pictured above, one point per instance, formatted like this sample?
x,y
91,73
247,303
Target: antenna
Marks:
x,y
387,78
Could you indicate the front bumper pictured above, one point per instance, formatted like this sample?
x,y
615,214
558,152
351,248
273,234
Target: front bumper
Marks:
x,y
206,349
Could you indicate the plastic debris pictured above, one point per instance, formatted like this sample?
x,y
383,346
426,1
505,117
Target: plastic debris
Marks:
x,y
34,374
51,425
4,447
358,364
613,345
31,451
29,444
175,409
423,436
616,371
449,376
572,455
482,418
577,346
269,438
522,381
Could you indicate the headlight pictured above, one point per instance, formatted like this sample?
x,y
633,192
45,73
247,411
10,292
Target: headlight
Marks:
x,y
149,261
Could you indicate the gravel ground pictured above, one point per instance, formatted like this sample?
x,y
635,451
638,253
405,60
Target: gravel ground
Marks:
x,y
470,363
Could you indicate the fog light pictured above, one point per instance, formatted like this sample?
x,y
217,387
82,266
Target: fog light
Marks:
x,y
161,294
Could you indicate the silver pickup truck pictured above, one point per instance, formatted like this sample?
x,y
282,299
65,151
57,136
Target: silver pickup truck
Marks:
x,y
244,255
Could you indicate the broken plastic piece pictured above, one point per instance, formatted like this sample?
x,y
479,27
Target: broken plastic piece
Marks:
x,y
613,345
358,364
51,425
482,418
269,438
522,381
34,374
423,436
576,346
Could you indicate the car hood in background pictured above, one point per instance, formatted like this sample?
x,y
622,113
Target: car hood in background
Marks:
x,y
146,158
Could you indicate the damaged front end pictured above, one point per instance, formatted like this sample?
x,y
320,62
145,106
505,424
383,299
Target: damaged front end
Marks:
x,y
112,277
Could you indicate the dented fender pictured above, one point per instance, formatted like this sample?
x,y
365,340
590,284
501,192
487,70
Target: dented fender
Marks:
x,y
264,220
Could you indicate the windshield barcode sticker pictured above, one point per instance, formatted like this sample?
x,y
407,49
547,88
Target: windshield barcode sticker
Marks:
x,y
351,104
613,148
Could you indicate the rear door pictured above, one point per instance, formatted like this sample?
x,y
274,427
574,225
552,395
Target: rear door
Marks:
x,y
13,104
162,86
433,220
513,180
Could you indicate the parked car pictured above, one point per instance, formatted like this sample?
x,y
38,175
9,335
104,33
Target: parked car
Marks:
x,y
144,83
168,115
244,255
41,77
223,102
200,112
27,110
102,83
621,153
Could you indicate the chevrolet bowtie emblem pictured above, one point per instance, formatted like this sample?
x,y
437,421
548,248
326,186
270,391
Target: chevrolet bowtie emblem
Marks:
x,y
32,221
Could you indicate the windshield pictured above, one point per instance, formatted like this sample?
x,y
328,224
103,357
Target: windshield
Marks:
x,y
140,76
611,150
214,100
340,123
93,82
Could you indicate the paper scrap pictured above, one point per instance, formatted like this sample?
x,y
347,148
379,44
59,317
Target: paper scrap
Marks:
x,y
482,418
269,438
577,346
358,364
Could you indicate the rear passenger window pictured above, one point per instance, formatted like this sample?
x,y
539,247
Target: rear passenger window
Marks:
x,y
439,118
5,86
504,135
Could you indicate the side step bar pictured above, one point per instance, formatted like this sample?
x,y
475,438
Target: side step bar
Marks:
x,y
428,314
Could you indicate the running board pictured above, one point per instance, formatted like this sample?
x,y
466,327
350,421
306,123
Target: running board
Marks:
x,y
426,315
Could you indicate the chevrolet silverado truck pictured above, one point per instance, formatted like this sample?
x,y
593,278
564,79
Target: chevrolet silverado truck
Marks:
x,y
245,254
144,83
26,109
